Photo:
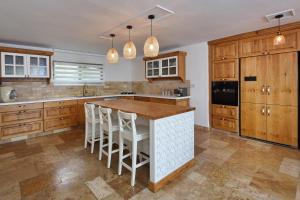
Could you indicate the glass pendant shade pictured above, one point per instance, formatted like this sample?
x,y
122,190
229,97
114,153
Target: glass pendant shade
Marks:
x,y
112,56
129,50
151,47
279,39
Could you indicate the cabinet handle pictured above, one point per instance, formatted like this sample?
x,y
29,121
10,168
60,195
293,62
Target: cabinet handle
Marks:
x,y
263,89
268,111
268,90
263,110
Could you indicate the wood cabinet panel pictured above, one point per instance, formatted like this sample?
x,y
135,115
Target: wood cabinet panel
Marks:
x,y
61,111
225,111
60,103
282,79
251,47
254,120
19,107
164,101
21,116
138,98
225,123
291,38
253,91
226,50
127,97
58,123
226,70
183,102
24,128
282,123
81,112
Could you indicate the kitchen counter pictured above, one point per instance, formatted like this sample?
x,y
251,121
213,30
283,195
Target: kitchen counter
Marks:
x,y
89,97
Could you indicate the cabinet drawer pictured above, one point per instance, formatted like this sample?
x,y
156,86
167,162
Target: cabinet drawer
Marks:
x,y
56,112
225,111
58,123
20,116
141,98
23,128
226,124
60,103
18,107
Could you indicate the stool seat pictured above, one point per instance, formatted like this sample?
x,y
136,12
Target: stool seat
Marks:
x,y
142,132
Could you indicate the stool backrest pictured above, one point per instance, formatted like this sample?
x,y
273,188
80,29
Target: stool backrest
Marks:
x,y
105,117
127,122
89,110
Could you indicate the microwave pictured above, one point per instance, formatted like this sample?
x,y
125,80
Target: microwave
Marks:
x,y
225,93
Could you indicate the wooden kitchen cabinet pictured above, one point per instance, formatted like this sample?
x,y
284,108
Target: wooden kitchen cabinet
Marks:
x,y
60,111
59,123
179,102
225,111
81,112
226,70
22,116
225,123
21,107
254,120
140,98
251,47
282,76
21,129
253,79
282,123
225,50
52,104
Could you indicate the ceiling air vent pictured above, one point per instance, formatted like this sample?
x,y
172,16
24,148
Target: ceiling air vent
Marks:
x,y
286,14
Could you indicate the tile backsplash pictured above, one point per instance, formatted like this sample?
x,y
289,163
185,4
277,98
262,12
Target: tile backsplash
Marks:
x,y
42,90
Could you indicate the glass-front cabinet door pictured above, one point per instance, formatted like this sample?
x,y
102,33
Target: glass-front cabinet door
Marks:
x,y
152,68
13,65
38,66
169,67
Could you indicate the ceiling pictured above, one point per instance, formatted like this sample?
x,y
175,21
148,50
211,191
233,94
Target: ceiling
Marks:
x,y
77,24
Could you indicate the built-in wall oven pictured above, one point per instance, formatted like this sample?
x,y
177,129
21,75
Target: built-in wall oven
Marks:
x,y
225,93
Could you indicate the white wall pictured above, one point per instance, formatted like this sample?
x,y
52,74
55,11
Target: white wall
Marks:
x,y
196,71
122,71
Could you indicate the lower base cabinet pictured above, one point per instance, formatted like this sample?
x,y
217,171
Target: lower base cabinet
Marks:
x,y
274,123
225,117
226,124
59,123
24,128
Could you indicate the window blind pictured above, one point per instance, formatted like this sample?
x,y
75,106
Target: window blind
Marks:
x,y
77,73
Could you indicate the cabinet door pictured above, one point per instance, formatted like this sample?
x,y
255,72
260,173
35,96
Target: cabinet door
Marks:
x,y
26,128
21,116
253,79
225,111
290,43
169,67
254,120
152,69
38,66
225,70
282,123
282,75
251,47
225,123
225,50
13,65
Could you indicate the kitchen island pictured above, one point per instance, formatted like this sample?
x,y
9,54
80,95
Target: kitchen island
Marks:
x,y
171,137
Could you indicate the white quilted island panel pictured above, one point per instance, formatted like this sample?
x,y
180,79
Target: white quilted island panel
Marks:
x,y
171,144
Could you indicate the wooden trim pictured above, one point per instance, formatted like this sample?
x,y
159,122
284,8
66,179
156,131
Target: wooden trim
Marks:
x,y
155,187
262,32
26,51
170,54
202,128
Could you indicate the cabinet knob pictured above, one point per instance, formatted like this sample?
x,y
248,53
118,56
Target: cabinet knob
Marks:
x,y
268,111
263,110
263,89
268,90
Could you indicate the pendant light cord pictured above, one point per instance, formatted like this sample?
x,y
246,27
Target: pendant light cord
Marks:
x,y
129,34
112,42
151,27
279,25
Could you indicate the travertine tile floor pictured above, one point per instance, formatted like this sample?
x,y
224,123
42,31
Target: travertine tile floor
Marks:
x,y
227,167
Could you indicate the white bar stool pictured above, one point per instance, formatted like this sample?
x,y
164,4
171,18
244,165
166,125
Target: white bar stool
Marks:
x,y
92,126
130,132
107,128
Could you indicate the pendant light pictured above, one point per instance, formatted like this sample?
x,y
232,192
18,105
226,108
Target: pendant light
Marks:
x,y
112,54
279,39
129,50
151,46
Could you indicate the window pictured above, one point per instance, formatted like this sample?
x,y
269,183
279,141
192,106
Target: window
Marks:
x,y
77,73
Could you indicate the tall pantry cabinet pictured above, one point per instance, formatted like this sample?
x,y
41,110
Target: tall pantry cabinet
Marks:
x,y
268,82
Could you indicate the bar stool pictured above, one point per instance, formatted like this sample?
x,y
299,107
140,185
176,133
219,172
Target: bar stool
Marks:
x,y
107,128
92,126
130,132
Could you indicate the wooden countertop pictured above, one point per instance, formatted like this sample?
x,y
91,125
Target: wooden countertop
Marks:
x,y
148,110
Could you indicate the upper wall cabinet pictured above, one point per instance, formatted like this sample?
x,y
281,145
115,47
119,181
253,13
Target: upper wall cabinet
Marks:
x,y
23,63
166,66
263,45
226,50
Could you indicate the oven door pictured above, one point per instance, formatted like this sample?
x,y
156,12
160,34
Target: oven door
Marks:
x,y
225,93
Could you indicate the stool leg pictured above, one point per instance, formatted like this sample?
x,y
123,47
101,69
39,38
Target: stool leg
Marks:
x,y
109,149
93,138
86,134
101,144
121,148
133,167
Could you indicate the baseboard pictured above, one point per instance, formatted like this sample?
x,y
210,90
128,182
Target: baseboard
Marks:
x,y
202,128
155,187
